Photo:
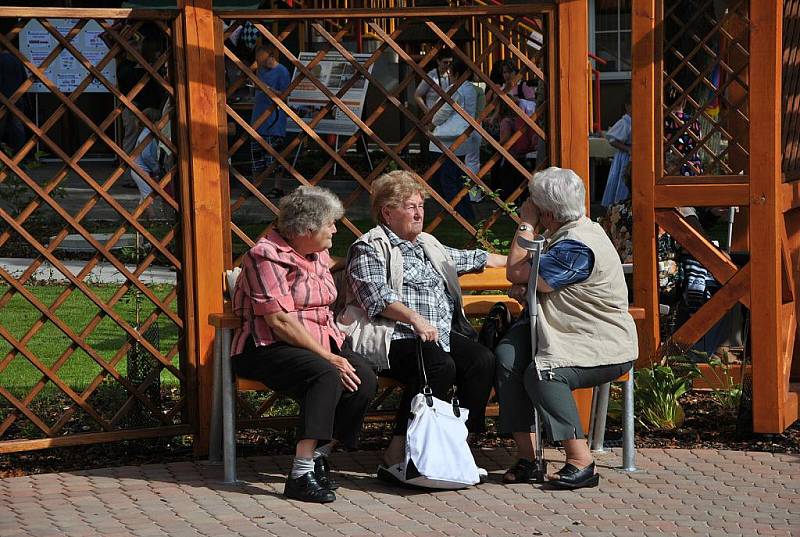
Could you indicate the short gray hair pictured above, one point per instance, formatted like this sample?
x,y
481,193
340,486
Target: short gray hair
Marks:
x,y
559,191
307,209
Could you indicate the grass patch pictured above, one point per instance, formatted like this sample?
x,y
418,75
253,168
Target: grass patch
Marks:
x,y
48,344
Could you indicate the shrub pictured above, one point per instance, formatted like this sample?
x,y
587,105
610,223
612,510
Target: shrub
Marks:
x,y
657,390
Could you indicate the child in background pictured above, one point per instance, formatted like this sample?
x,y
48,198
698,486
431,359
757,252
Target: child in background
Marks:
x,y
619,136
148,161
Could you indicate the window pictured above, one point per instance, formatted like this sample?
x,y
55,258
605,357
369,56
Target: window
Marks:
x,y
610,36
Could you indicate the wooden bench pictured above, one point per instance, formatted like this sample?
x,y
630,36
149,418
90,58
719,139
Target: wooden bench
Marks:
x,y
481,292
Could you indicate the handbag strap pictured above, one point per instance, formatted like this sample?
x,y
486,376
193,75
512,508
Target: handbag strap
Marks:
x,y
426,389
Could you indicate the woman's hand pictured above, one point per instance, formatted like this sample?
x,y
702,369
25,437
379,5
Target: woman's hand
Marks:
x,y
425,330
529,213
519,292
346,372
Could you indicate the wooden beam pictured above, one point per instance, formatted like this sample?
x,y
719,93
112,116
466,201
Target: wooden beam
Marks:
x,y
86,13
528,8
710,377
209,230
573,87
643,95
13,446
769,388
701,195
572,125
702,179
712,311
790,195
711,257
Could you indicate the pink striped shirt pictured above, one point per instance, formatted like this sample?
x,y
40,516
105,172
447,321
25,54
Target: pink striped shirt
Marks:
x,y
276,278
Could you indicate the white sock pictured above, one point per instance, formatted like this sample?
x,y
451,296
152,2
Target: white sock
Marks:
x,y
323,451
301,467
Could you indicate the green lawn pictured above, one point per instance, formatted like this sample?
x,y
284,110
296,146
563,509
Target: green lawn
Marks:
x,y
18,316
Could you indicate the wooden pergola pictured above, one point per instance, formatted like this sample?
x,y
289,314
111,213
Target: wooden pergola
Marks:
x,y
754,156
763,50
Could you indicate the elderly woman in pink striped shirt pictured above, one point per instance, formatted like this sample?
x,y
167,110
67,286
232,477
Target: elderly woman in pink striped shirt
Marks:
x,y
290,341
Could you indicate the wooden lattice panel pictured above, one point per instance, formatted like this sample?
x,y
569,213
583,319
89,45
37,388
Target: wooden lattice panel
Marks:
x,y
129,365
791,90
706,115
390,127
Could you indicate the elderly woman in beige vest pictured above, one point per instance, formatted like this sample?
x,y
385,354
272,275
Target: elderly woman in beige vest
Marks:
x,y
403,286
586,337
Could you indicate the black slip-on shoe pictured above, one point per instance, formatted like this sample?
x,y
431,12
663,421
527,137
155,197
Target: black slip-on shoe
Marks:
x,y
571,477
306,489
521,472
322,471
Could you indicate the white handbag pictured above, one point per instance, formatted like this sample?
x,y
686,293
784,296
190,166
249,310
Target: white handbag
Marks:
x,y
437,453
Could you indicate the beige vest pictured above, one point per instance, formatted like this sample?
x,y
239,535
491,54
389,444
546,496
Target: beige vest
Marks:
x,y
372,337
587,324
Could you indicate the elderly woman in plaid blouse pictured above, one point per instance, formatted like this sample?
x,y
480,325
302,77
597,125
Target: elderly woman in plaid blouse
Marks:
x,y
403,285
290,341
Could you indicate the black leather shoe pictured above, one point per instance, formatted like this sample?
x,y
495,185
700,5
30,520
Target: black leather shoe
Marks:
x,y
306,489
570,477
323,473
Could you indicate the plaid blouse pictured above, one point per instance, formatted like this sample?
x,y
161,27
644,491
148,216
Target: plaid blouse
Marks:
x,y
276,278
424,289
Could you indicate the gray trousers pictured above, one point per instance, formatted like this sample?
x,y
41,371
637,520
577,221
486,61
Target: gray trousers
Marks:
x,y
520,390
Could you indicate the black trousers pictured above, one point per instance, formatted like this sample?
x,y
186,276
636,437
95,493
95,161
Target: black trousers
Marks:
x,y
469,365
327,410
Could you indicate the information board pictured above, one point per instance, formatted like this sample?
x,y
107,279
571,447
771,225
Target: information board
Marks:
x,y
333,71
36,43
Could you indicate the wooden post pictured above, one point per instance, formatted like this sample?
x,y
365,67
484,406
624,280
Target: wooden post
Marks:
x,y
208,206
645,82
770,387
572,126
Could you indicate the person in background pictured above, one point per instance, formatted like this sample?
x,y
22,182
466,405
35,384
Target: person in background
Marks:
x,y
473,160
289,340
448,126
586,336
272,129
403,285
147,160
508,178
149,42
619,136
425,96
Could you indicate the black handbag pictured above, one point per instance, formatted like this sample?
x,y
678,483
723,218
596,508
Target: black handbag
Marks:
x,y
495,326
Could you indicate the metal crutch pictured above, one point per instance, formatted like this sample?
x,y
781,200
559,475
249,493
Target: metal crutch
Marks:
x,y
535,248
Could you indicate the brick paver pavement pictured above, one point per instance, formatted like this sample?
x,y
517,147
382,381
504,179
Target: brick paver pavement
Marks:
x,y
675,492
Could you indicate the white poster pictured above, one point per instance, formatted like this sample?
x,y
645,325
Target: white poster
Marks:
x,y
66,72
333,71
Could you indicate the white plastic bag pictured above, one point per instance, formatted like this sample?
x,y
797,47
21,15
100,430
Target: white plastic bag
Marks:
x,y
437,453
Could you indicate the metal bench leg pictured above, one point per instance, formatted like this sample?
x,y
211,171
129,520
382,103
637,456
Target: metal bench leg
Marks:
x,y
228,409
215,434
628,447
592,418
600,414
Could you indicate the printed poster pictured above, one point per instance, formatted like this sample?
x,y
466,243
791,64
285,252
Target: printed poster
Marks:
x,y
333,71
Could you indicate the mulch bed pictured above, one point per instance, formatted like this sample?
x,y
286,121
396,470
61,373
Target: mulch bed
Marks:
x,y
707,425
